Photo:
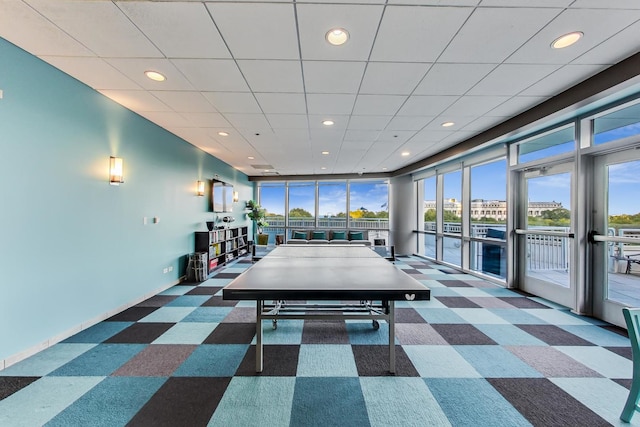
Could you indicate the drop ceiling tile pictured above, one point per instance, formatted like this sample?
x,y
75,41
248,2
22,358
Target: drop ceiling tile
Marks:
x,y
429,136
94,72
492,34
340,121
408,123
473,106
332,76
592,22
483,123
610,51
207,120
287,121
314,20
511,79
212,75
90,21
459,122
417,34
233,102
247,121
527,3
396,136
452,79
165,118
136,100
365,135
25,27
378,104
368,122
272,76
562,79
419,105
282,103
178,29
392,78
439,2
326,136
516,105
330,104
291,136
257,30
185,102
134,69
610,4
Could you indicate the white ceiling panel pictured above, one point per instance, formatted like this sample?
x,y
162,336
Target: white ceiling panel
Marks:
x,y
332,76
136,100
212,74
272,76
417,34
507,79
25,27
95,72
233,102
315,20
492,34
282,103
378,104
178,29
185,102
257,30
91,21
263,72
452,79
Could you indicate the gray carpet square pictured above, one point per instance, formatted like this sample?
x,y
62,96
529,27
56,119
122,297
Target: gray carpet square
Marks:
x,y
457,302
324,332
554,335
156,360
551,362
462,334
277,360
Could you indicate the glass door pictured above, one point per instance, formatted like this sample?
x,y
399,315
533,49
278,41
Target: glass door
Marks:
x,y
615,239
545,239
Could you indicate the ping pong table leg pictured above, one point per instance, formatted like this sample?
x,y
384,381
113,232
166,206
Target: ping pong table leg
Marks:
x,y
259,304
392,337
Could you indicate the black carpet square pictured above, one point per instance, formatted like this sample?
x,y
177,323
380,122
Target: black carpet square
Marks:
x,y
187,401
204,290
454,283
9,385
157,301
373,361
624,382
411,271
226,275
140,333
408,315
554,335
277,361
621,351
523,302
132,314
462,334
544,403
217,301
325,332
457,302
232,333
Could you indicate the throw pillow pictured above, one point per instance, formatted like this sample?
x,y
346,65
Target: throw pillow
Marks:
x,y
299,235
356,235
319,235
339,235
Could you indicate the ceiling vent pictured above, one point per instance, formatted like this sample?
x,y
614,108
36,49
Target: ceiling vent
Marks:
x,y
262,167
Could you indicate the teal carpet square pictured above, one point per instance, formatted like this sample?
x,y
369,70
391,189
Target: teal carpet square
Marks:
x,y
316,360
328,401
98,332
101,360
440,315
117,399
256,401
474,402
509,335
597,335
177,290
493,361
518,317
439,361
208,314
189,301
186,333
289,331
213,360
168,315
362,332
46,361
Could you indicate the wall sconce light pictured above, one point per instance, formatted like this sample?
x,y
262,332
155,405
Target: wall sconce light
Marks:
x,y
115,170
200,188
235,197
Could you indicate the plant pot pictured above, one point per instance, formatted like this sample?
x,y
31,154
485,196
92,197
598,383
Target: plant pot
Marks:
x,y
263,239
210,225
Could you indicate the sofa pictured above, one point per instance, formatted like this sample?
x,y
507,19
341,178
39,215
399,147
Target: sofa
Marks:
x,y
335,237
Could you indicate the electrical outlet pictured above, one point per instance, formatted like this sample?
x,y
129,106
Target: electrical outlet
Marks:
x,y
165,271
170,268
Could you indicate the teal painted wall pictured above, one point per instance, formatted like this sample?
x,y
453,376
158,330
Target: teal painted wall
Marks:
x,y
73,246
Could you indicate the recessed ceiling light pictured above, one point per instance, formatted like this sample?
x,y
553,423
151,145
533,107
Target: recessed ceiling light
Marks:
x,y
323,168
155,76
566,40
384,169
250,157
447,124
223,133
405,153
337,36
326,153
328,122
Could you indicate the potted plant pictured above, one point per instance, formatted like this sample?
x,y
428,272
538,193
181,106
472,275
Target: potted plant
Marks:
x,y
258,215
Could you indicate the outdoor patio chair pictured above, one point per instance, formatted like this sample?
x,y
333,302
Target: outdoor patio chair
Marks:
x,y
631,261
632,318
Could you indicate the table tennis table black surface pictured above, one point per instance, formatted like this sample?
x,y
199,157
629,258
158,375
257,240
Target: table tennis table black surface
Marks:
x,y
361,282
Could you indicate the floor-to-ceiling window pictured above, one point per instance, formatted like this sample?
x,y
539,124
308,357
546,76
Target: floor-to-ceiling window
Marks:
x,y
332,204
452,217
273,199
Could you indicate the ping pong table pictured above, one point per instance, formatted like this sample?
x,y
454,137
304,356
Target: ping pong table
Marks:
x,y
320,273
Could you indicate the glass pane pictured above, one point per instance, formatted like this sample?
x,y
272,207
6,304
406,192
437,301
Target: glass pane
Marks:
x,y
332,204
272,197
488,217
617,125
624,221
369,205
548,256
452,205
451,251
302,204
430,245
551,144
430,204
